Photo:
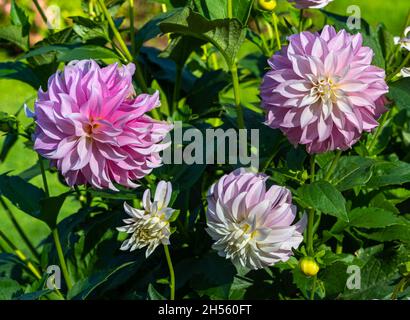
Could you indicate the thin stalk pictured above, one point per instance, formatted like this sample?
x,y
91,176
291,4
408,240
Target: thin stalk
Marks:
x,y
171,273
177,88
237,94
275,26
19,229
60,254
230,14
265,49
402,65
123,46
333,165
312,294
40,10
21,255
132,27
311,213
379,130
56,237
301,20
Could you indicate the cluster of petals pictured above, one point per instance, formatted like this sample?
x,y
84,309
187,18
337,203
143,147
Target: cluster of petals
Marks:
x,y
94,128
322,90
149,227
250,224
405,41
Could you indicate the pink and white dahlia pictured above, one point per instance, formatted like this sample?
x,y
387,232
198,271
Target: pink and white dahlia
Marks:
x,y
251,225
323,91
94,129
314,4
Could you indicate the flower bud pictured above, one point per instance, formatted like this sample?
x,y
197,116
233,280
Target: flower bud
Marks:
x,y
267,5
309,266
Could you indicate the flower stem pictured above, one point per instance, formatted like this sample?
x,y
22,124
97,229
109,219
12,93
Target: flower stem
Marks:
x,y
60,254
379,130
171,272
230,13
123,46
275,26
311,213
56,237
40,10
333,165
20,255
301,20
402,65
237,94
177,89
19,229
132,27
312,294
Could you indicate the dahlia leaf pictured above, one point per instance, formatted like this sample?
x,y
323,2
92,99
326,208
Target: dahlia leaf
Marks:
x,y
372,218
217,9
322,196
226,35
399,92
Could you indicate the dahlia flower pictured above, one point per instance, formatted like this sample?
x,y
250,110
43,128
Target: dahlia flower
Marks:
x,y
405,41
250,225
149,227
323,91
315,4
94,129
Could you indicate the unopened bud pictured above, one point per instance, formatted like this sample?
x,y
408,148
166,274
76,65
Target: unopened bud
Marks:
x,y
309,266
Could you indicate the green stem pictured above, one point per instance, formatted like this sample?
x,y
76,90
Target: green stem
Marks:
x,y
55,232
177,89
275,26
21,255
402,65
333,165
19,229
312,294
237,94
123,46
60,254
40,10
311,213
379,130
230,14
171,273
43,175
132,27
301,20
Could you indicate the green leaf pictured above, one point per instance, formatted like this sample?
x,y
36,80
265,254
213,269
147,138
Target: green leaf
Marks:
x,y
19,17
15,35
390,173
66,53
180,49
153,294
19,71
396,232
34,295
352,171
372,218
226,35
82,289
218,9
150,30
9,289
88,29
400,93
322,196
22,194
50,208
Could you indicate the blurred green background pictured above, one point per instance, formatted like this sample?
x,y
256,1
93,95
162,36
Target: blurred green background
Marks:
x,y
14,94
